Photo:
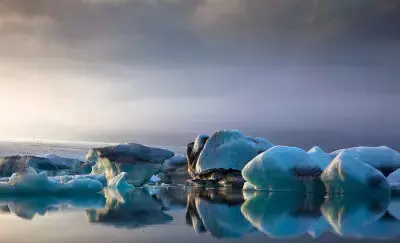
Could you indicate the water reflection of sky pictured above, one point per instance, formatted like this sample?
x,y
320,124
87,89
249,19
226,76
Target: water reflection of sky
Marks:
x,y
171,214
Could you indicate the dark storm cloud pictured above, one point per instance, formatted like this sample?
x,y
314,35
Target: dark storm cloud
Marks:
x,y
201,64
150,32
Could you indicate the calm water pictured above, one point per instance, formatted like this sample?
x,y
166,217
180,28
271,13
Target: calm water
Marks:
x,y
176,214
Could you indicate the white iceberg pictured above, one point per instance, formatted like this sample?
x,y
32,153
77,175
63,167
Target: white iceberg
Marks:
x,y
283,168
229,149
138,161
321,158
382,158
31,182
347,174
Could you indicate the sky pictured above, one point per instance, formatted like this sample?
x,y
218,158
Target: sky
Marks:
x,y
122,70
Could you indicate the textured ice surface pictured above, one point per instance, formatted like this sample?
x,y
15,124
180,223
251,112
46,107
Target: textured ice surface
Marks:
x,y
382,158
138,161
282,168
347,174
229,149
31,182
321,158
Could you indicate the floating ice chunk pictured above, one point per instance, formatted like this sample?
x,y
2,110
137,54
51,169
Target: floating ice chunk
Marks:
x,y
321,158
31,182
138,161
14,164
74,164
394,207
155,179
394,181
229,149
193,152
119,182
283,168
174,163
66,178
347,174
281,215
382,158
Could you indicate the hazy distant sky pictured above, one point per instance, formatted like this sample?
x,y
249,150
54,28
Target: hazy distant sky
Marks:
x,y
100,69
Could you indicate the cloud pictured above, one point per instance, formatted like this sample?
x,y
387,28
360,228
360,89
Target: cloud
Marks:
x,y
90,66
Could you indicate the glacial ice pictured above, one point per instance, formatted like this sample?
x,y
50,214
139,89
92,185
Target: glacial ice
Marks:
x,y
321,158
382,158
394,181
174,163
119,182
347,174
283,168
138,161
74,164
229,149
31,182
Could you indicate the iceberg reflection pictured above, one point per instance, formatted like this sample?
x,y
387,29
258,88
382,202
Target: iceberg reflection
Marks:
x,y
129,209
27,207
217,212
282,215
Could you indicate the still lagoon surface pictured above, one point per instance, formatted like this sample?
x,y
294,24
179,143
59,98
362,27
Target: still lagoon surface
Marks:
x,y
178,214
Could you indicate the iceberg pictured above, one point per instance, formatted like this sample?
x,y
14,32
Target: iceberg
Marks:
x,y
174,163
381,158
31,182
282,168
229,149
14,164
347,174
138,161
67,178
72,164
320,157
394,181
119,182
281,214
193,152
